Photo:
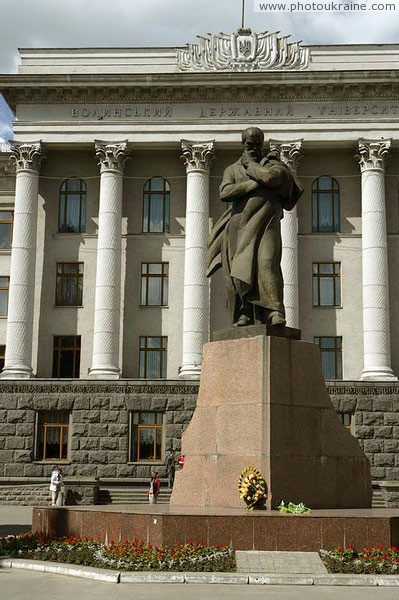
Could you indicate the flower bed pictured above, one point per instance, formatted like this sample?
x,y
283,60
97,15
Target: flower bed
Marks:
x,y
377,560
127,555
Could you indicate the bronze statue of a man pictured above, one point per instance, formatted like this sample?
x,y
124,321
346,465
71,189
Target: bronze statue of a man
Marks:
x,y
246,240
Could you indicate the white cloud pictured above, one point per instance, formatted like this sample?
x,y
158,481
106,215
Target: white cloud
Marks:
x,y
72,23
130,23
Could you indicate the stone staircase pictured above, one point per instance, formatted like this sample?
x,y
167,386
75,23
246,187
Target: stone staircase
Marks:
x,y
136,494
377,501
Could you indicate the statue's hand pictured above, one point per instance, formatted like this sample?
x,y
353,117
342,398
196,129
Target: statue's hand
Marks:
x,y
247,158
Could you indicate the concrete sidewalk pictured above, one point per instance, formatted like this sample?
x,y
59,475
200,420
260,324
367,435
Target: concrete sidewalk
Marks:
x,y
280,563
15,519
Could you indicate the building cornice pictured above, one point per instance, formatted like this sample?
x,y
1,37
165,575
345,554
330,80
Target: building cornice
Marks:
x,y
191,88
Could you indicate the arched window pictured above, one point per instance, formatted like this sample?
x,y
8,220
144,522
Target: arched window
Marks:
x,y
325,205
72,215
156,206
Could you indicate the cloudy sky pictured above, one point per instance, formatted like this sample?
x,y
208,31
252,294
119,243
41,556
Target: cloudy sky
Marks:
x,y
130,23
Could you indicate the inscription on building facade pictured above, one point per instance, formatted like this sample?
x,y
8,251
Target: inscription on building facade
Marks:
x,y
300,110
220,112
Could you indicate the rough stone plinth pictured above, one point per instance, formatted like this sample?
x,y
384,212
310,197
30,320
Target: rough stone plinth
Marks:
x,y
235,333
263,403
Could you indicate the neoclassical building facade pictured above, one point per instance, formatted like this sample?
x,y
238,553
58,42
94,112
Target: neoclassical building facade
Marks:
x,y
110,187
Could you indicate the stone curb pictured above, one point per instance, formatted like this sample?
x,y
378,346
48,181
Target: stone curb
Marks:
x,y
62,569
237,578
280,580
148,577
198,577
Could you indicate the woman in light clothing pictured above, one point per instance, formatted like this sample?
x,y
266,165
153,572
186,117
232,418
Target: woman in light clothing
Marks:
x,y
57,487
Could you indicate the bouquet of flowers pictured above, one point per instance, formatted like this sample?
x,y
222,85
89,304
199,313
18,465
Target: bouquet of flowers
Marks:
x,y
253,488
290,507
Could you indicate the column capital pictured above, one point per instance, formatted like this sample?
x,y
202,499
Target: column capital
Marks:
x,y
290,152
112,155
197,156
373,153
25,156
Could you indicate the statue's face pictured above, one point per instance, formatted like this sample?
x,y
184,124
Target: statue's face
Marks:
x,y
253,145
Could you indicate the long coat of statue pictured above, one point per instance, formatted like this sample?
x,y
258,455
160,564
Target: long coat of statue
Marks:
x,y
246,240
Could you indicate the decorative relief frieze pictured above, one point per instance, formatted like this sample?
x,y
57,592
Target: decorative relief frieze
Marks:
x,y
197,156
373,153
50,387
243,50
262,91
112,155
362,390
26,157
85,388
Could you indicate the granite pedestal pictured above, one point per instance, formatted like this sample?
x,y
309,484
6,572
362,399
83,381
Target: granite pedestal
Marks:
x,y
263,402
238,528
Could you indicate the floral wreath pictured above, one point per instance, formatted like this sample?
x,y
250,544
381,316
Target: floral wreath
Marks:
x,y
253,489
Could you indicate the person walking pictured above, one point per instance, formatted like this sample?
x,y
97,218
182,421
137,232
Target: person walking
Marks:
x,y
170,464
153,491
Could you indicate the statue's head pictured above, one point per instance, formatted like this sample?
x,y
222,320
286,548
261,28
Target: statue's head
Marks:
x,y
252,139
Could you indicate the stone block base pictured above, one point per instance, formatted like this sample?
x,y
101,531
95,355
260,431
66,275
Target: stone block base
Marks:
x,y
263,402
240,529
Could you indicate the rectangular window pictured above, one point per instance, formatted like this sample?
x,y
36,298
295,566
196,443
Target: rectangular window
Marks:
x,y
325,205
72,206
52,435
2,356
69,286
156,205
331,356
154,284
6,223
4,286
153,352
327,284
146,433
66,356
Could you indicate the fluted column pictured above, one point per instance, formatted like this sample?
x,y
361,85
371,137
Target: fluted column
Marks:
x,y
376,333
18,358
197,157
105,364
290,153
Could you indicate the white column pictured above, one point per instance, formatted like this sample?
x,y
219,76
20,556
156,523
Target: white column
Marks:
x,y
18,358
197,157
290,153
107,302
376,334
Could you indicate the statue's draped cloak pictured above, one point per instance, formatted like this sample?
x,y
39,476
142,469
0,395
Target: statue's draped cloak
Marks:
x,y
246,240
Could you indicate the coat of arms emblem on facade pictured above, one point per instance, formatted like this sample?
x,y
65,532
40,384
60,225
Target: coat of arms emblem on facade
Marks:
x,y
243,50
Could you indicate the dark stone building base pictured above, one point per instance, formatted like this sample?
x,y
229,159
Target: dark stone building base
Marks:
x,y
99,426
